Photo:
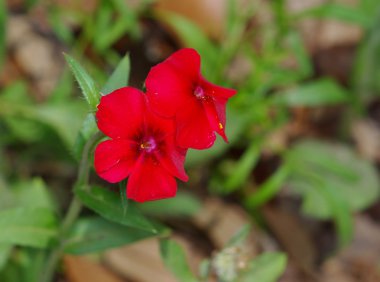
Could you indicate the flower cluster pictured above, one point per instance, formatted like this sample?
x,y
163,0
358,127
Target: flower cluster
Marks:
x,y
151,132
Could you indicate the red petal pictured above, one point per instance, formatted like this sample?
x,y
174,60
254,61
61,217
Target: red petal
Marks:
x,y
170,83
173,160
115,159
216,114
215,90
150,181
168,154
215,106
187,61
193,128
120,113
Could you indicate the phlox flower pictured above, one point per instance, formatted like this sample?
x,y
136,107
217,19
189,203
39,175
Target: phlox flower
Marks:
x,y
176,89
141,147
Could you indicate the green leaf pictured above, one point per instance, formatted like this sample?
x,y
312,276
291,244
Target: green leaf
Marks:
x,y
56,117
5,250
33,193
204,269
24,265
333,167
269,188
265,268
119,77
86,83
366,70
243,167
305,66
65,121
194,37
175,260
331,201
341,214
240,236
89,128
27,194
95,234
109,206
338,12
114,30
34,227
182,205
316,93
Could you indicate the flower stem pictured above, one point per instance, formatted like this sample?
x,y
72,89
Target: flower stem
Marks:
x,y
72,212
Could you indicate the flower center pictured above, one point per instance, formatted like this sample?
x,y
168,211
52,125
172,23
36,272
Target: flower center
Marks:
x,y
148,145
199,92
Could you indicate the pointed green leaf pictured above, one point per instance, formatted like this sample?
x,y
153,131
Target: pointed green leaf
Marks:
x,y
175,260
119,77
269,188
265,268
86,83
243,167
367,72
96,234
183,204
34,227
33,193
89,128
5,250
338,12
194,37
333,182
109,206
316,93
240,236
335,167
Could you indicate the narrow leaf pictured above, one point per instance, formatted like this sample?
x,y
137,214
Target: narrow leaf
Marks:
x,y
265,268
243,167
240,236
321,92
34,227
269,188
338,12
193,36
175,260
336,167
5,250
183,204
96,234
89,128
86,83
109,206
119,77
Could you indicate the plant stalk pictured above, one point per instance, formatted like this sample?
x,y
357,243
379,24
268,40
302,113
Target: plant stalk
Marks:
x,y
72,212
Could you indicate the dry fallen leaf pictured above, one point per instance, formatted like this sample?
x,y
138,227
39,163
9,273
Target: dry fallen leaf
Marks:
x,y
81,269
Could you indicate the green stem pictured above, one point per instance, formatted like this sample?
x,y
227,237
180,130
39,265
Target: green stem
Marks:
x,y
72,212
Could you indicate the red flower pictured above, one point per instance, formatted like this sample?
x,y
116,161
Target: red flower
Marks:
x,y
142,146
176,88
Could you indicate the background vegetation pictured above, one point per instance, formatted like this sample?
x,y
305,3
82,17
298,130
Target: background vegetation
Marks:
x,y
298,183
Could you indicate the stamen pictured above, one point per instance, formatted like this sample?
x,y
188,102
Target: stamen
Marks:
x,y
148,145
199,92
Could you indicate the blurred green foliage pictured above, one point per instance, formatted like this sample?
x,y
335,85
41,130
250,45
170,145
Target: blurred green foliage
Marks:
x,y
331,179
